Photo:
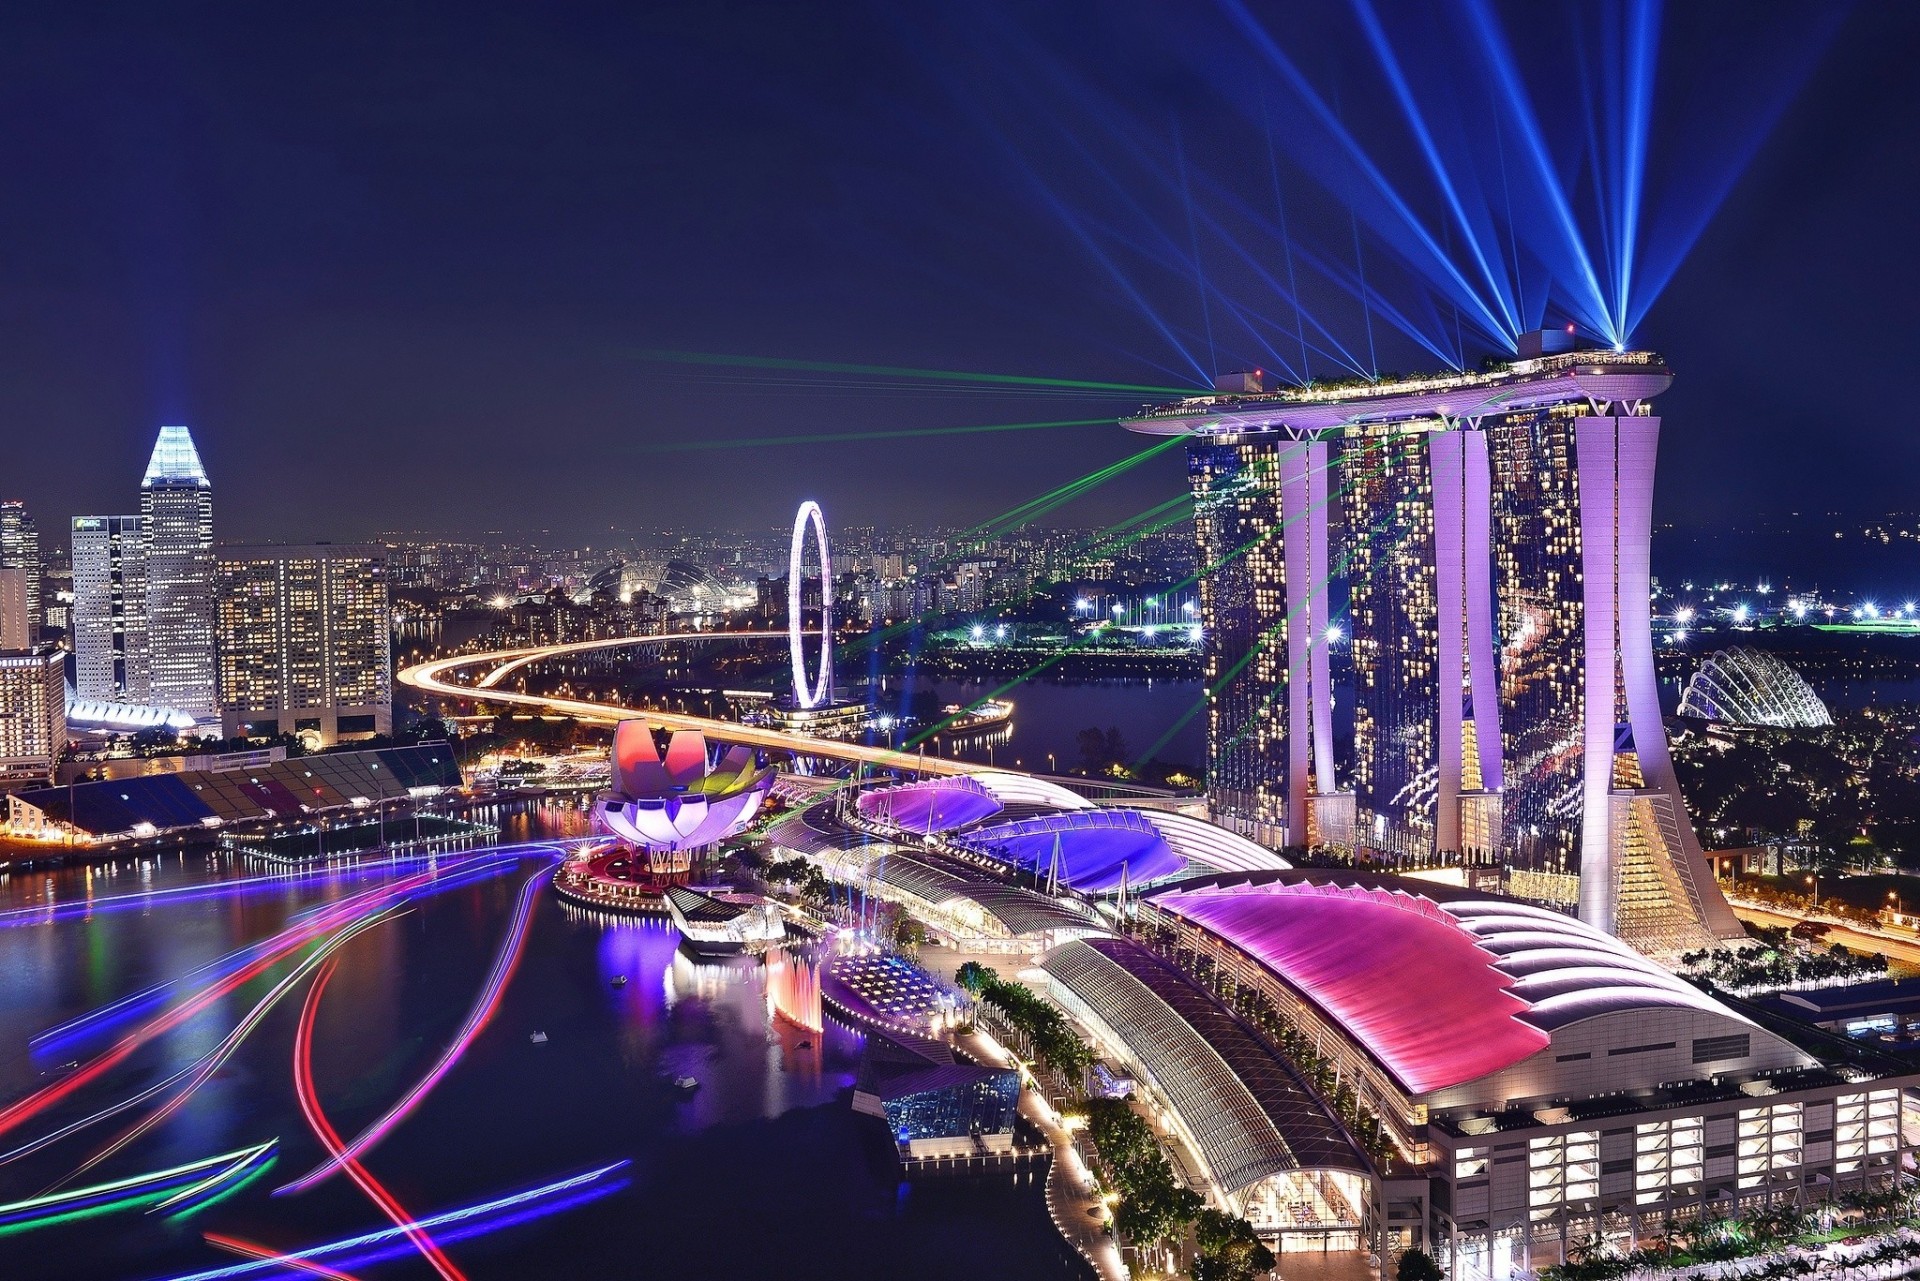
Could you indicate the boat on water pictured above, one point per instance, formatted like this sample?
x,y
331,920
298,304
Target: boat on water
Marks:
x,y
619,980
686,1083
538,1038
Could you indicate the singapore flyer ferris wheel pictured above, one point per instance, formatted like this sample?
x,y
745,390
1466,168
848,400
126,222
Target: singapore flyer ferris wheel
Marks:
x,y
820,691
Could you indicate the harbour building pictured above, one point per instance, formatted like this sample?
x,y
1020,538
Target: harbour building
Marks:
x,y
1491,538
176,513
304,641
110,610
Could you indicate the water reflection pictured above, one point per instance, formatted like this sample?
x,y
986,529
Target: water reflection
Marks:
x,y
767,1139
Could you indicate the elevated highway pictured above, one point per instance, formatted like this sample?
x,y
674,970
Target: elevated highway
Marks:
x,y
432,678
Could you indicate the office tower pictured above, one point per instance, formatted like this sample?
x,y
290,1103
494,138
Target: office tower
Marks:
x,y
304,641
33,713
15,631
110,609
1494,551
176,512
20,549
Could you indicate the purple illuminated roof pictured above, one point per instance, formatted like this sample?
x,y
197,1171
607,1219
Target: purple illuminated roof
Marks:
x,y
1406,979
933,805
1096,847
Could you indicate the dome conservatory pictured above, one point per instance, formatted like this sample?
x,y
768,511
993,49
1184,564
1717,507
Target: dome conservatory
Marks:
x,y
1748,687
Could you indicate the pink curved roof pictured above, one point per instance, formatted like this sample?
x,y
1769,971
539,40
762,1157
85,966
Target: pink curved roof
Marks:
x,y
1406,980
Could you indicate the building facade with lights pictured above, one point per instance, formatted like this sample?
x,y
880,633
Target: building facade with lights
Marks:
x,y
1491,533
20,550
111,660
304,641
33,713
1534,1081
176,512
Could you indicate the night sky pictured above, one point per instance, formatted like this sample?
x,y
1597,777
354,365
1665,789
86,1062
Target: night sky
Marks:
x,y
400,266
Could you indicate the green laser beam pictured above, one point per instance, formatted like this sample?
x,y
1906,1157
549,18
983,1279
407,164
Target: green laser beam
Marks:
x,y
902,433
664,356
1266,638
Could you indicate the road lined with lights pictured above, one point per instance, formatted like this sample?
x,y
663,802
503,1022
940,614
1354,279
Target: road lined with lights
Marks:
x,y
429,678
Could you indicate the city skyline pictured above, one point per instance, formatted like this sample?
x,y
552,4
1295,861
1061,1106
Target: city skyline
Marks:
x,y
1226,642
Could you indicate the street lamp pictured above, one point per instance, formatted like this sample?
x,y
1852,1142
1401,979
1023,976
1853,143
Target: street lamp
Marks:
x,y
1814,881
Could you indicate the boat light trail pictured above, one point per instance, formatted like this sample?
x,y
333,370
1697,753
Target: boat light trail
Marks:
x,y
330,1138
504,963
454,874
251,1250
50,913
283,944
211,1062
181,1182
464,1222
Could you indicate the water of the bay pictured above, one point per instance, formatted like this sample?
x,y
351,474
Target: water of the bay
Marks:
x,y
763,1170
1158,719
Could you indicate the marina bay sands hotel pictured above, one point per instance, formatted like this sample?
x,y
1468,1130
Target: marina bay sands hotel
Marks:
x,y
1488,533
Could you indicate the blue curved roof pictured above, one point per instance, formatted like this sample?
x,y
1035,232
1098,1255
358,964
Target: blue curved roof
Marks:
x,y
1097,847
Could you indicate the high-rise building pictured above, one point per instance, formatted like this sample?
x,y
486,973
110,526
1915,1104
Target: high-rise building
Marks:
x,y
176,511
16,630
20,549
1494,541
33,713
110,641
304,641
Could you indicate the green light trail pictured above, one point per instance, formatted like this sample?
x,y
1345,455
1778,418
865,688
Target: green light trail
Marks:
x,y
137,1190
894,371
903,433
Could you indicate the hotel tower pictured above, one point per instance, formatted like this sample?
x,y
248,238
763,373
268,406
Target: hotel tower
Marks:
x,y
1489,536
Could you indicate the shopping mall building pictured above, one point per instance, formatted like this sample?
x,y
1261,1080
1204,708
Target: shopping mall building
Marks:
x,y
1538,1081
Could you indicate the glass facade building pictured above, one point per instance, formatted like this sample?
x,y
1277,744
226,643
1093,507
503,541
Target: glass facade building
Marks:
x,y
176,511
20,550
1243,592
110,609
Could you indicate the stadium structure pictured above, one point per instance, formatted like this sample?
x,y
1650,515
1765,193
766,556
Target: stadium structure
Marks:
x,y
1751,687
1489,532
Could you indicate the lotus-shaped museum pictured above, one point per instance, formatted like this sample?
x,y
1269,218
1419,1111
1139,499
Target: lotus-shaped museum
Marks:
x,y
682,802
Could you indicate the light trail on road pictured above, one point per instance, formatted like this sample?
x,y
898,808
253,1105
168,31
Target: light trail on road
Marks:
x,y
429,678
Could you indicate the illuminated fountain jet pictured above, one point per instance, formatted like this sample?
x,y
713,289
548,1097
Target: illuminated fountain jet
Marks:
x,y
674,806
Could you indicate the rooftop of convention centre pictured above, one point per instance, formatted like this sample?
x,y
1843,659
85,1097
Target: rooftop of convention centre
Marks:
x,y
1442,988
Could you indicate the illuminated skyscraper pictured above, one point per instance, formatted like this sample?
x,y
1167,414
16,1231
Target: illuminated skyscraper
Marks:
x,y
110,609
1236,491
176,511
304,641
20,549
1494,552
